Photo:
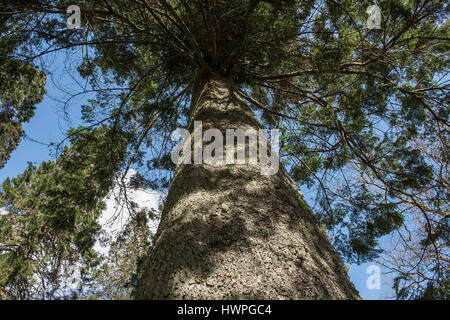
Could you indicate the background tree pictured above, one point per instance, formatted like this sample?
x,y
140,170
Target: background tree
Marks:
x,y
51,216
353,104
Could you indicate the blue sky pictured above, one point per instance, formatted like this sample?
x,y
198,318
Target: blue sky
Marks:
x,y
50,123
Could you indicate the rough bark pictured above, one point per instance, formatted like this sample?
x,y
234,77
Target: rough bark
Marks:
x,y
232,233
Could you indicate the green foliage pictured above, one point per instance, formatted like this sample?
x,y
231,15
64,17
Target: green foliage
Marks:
x,y
434,290
51,215
22,86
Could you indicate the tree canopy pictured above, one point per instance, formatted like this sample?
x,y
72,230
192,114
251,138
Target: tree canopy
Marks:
x,y
363,114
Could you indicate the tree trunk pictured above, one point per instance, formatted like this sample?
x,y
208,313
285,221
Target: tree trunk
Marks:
x,y
231,232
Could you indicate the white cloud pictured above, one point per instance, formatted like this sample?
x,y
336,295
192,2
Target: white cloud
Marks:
x,y
116,215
